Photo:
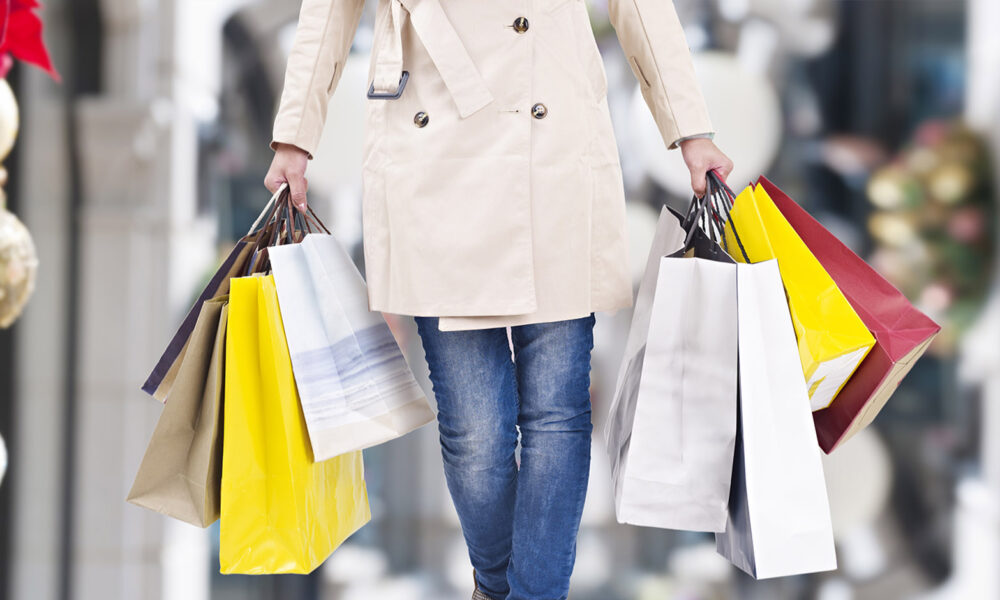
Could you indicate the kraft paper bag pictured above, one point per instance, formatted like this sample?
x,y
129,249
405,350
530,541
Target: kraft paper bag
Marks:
x,y
355,386
236,263
832,338
164,375
281,512
902,333
779,516
672,425
180,473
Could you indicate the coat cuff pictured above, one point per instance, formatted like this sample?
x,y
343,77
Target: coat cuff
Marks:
x,y
301,145
707,136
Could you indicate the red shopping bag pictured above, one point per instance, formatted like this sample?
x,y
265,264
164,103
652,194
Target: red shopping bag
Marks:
x,y
902,333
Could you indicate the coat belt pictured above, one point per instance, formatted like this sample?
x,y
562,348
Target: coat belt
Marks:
x,y
439,38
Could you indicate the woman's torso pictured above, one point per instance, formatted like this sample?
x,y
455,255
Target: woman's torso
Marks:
x,y
514,211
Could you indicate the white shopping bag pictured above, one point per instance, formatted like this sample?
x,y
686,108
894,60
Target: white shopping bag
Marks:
x,y
355,386
671,428
779,521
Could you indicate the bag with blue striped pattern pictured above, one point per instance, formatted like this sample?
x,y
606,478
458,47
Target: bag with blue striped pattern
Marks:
x,y
355,385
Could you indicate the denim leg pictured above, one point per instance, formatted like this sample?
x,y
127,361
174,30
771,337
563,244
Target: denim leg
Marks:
x,y
552,363
476,392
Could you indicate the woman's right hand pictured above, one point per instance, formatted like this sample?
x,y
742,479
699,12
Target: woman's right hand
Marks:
x,y
289,165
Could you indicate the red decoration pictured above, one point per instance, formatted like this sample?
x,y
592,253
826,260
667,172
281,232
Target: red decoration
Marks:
x,y
21,37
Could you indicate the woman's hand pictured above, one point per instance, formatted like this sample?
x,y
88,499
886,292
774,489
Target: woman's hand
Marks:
x,y
701,156
289,165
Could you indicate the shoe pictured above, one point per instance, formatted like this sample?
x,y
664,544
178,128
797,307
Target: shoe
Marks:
x,y
478,594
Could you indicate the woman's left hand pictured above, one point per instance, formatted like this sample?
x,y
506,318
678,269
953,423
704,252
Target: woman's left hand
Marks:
x,y
701,156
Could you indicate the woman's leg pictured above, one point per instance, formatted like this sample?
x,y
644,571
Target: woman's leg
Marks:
x,y
552,362
476,392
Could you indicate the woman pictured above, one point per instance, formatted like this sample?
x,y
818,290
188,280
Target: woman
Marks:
x,y
493,199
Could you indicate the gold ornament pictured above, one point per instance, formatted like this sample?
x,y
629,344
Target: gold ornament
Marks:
x,y
951,182
18,259
922,160
18,267
9,119
892,229
892,188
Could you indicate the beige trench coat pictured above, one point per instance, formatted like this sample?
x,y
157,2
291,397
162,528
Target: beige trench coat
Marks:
x,y
492,189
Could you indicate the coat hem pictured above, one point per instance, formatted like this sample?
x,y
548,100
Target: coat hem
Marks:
x,y
463,323
451,310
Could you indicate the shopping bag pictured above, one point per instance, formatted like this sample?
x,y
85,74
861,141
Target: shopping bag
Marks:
x,y
180,472
667,239
281,512
164,373
902,333
779,516
355,386
671,427
832,339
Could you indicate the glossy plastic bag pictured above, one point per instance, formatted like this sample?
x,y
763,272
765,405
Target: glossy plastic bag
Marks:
x,y
832,338
281,512
902,333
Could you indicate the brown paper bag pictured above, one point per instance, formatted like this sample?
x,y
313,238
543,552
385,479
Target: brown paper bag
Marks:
x,y
246,256
180,474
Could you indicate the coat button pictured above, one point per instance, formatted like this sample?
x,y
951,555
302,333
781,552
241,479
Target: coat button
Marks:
x,y
420,119
520,24
539,111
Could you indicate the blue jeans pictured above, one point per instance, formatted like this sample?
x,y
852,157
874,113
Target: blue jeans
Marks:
x,y
520,522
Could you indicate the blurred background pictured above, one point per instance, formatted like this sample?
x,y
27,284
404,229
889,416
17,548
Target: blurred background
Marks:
x,y
881,117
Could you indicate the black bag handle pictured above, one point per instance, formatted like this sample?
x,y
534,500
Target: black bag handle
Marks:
x,y
727,197
702,213
710,213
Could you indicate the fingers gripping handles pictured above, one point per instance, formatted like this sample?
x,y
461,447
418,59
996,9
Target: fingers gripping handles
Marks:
x,y
279,223
710,213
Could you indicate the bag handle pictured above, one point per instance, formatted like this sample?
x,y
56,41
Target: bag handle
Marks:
x,y
280,223
316,221
710,213
699,214
269,223
725,194
268,209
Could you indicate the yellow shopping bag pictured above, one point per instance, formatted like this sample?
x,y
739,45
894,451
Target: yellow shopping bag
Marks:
x,y
280,511
832,338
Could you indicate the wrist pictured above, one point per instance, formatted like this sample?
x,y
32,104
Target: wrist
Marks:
x,y
695,142
286,147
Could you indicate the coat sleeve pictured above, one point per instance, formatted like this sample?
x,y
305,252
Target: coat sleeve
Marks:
x,y
652,37
315,63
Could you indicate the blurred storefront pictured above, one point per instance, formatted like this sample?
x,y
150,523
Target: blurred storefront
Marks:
x,y
881,117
